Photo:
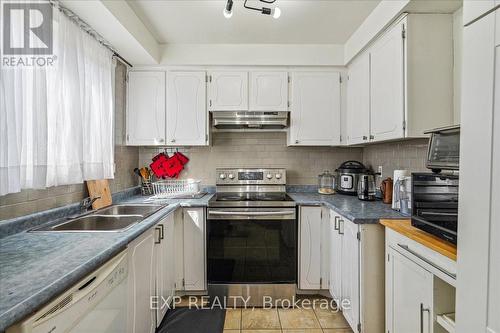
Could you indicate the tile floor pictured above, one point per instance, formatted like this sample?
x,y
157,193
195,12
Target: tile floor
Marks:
x,y
279,320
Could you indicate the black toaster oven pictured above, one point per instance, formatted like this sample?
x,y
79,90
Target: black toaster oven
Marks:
x,y
435,204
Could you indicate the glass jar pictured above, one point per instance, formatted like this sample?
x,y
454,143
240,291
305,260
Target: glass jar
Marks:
x,y
326,183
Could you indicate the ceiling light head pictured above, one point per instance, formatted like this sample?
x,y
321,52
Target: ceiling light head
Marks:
x,y
228,10
276,12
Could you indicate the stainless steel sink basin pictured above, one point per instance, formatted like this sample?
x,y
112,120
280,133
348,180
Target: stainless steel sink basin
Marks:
x,y
97,223
132,209
109,219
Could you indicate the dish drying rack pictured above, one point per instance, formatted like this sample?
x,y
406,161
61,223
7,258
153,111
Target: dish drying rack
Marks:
x,y
169,189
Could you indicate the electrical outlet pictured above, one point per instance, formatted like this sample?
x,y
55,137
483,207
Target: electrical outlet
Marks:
x,y
380,171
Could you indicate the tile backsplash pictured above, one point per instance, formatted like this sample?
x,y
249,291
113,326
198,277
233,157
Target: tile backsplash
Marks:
x,y
258,149
410,155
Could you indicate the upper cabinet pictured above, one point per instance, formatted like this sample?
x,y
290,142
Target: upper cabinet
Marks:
x,y
186,109
402,84
358,101
268,91
315,109
474,9
387,85
145,109
228,91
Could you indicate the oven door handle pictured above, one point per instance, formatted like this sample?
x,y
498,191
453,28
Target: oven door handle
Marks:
x,y
264,213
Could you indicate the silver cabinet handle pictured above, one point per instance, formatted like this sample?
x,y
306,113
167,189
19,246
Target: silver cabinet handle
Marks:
x,y
372,137
422,310
159,235
336,224
406,248
341,227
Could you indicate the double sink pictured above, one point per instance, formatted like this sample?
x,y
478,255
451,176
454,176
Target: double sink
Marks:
x,y
108,219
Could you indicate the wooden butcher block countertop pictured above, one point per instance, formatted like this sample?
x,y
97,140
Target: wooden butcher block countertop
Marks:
x,y
405,228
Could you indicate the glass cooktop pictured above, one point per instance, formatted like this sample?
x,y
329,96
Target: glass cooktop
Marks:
x,y
251,196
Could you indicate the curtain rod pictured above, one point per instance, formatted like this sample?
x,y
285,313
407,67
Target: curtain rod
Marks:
x,y
88,29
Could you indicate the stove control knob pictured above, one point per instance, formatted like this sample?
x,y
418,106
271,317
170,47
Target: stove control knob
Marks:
x,y
222,176
231,176
278,176
269,176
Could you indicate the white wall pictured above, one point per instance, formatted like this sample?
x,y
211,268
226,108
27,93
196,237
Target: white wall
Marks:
x,y
253,54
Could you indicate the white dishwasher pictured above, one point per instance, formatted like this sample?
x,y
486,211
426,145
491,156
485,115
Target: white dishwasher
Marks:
x,y
98,303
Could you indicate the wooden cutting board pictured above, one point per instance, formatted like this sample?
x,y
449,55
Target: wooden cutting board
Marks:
x,y
99,188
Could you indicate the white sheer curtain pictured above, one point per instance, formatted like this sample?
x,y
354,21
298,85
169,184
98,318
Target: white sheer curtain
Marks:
x,y
56,123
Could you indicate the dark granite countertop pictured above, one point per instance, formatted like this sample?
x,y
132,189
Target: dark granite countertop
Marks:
x,y
357,211
37,267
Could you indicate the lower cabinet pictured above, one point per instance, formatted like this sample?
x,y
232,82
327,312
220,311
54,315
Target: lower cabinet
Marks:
x,y
357,272
151,278
313,249
141,283
409,295
190,237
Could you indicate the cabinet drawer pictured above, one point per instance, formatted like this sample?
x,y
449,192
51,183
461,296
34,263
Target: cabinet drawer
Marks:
x,y
431,260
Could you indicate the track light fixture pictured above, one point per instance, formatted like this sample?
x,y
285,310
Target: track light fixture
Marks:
x,y
274,12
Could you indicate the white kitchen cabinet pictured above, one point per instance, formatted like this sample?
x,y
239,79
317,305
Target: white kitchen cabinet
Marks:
x,y
228,91
145,119
350,271
357,272
141,283
409,289
194,249
387,85
165,266
310,248
410,79
479,235
473,9
325,248
268,91
186,109
315,109
335,257
358,101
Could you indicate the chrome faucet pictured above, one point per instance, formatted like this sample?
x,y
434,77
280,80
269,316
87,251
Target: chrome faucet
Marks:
x,y
87,203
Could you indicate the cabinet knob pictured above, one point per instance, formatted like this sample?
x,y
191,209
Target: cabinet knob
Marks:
x,y
296,141
161,140
173,140
365,137
372,137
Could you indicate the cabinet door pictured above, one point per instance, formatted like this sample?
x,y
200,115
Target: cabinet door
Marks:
x,y
228,91
476,8
315,109
350,271
146,108
165,265
325,248
310,248
358,101
335,257
268,91
408,295
186,109
194,249
387,86
141,283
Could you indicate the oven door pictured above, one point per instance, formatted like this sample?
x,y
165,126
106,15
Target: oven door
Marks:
x,y
251,245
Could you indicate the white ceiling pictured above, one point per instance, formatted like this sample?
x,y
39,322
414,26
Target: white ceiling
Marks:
x,y
301,21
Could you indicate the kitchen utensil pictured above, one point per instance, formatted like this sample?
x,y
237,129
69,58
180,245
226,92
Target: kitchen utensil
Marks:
x,y
395,191
347,176
326,182
366,187
99,188
386,188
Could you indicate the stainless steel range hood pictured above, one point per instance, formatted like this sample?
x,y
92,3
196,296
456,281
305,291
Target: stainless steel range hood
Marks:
x,y
249,120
